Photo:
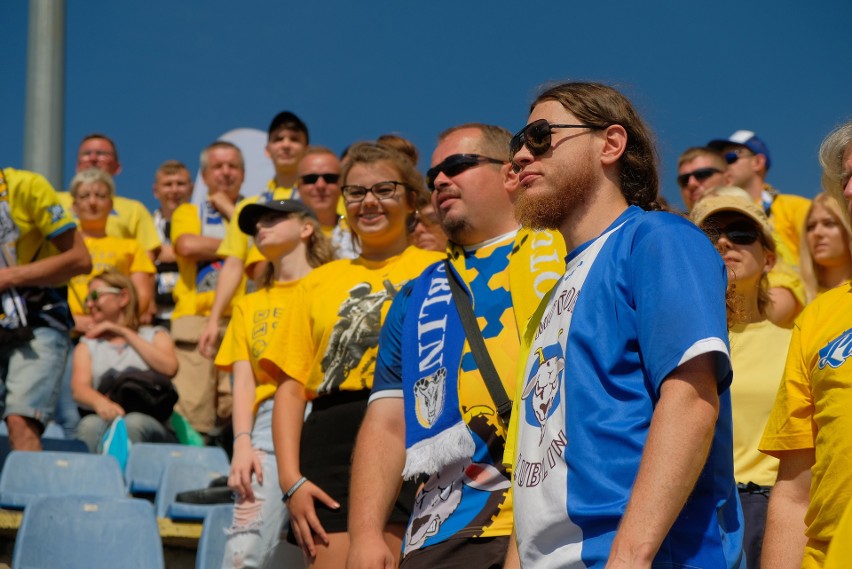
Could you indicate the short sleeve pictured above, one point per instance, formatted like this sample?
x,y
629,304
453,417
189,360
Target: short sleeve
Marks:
x,y
234,345
235,242
790,424
141,261
46,210
142,224
185,220
388,376
294,351
679,286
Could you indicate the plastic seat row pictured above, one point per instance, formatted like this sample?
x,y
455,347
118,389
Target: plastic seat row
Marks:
x,y
161,469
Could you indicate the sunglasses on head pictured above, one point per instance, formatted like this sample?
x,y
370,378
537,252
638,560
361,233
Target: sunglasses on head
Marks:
x,y
700,175
455,164
738,232
95,294
313,178
536,136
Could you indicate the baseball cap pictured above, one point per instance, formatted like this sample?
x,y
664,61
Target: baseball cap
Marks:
x,y
289,120
252,212
730,198
745,138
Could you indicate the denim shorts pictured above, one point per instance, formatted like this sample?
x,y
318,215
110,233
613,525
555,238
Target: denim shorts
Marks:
x,y
32,373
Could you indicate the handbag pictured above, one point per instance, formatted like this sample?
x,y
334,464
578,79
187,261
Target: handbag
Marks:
x,y
141,391
477,346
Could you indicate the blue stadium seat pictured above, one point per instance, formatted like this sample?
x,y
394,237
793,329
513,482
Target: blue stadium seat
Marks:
x,y
90,532
148,460
211,546
181,477
28,475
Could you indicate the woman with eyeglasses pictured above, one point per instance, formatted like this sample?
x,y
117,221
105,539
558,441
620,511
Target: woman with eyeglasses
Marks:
x,y
290,237
326,352
115,343
742,235
826,258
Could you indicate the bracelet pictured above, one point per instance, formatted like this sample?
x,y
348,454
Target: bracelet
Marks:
x,y
241,433
293,489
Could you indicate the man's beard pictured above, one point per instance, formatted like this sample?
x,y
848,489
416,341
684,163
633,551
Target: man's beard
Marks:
x,y
549,208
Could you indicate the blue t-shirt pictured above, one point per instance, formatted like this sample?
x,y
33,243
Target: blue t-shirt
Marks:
x,y
634,304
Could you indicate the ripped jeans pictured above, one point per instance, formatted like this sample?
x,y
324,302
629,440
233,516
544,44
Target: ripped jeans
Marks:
x,y
256,528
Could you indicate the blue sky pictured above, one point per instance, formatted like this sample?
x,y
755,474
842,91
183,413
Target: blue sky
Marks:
x,y
165,78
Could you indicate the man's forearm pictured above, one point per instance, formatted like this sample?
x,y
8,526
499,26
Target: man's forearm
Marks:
x,y
679,440
784,540
377,464
197,247
72,260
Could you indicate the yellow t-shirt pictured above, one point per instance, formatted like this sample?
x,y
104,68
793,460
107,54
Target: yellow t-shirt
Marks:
x,y
331,339
236,243
812,410
788,215
129,219
196,286
124,255
253,322
840,550
758,352
36,211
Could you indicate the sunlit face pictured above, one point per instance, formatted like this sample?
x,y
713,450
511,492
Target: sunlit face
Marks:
x,y
557,183
695,187
742,172
92,202
321,195
826,238
467,201
224,172
280,233
97,153
172,190
104,302
285,148
377,222
746,263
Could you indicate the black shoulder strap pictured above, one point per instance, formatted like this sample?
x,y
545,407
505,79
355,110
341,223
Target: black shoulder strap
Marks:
x,y
477,346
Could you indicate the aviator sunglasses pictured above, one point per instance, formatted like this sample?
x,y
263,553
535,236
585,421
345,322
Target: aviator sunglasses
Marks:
x,y
313,178
700,175
738,232
537,136
455,164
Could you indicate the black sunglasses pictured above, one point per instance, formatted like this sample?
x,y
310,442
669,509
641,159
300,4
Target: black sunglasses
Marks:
x,y
313,178
738,232
537,136
700,175
455,164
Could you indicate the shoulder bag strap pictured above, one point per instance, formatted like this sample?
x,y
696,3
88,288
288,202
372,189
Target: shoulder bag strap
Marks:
x,y
477,346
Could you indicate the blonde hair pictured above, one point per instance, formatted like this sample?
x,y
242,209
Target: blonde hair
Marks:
x,y
92,176
807,266
115,279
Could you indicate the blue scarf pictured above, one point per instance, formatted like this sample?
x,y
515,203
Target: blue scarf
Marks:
x,y
435,432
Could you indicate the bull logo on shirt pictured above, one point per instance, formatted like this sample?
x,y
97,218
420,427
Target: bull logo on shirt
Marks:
x,y
429,397
442,493
836,351
541,394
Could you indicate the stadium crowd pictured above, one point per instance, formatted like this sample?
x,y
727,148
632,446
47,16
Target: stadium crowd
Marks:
x,y
405,370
